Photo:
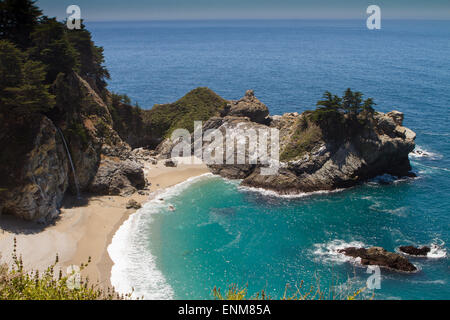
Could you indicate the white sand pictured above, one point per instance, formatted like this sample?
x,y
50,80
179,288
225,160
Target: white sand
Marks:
x,y
84,230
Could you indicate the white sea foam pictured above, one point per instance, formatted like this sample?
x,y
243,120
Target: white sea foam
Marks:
x,y
328,252
429,169
272,193
134,265
437,251
419,152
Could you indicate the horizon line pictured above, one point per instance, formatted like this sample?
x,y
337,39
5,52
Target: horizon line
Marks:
x,y
261,19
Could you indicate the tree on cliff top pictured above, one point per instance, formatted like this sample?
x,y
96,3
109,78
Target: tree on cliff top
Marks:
x,y
351,102
22,88
17,20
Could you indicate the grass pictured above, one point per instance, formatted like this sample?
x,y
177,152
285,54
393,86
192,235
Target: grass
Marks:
x,y
198,105
300,292
306,135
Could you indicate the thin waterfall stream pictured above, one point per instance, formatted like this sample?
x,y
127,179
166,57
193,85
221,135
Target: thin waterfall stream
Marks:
x,y
75,180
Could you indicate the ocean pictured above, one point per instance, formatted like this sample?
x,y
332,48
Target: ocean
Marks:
x,y
220,233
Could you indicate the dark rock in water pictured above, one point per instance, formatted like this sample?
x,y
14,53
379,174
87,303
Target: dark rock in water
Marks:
x,y
415,251
380,257
170,163
133,204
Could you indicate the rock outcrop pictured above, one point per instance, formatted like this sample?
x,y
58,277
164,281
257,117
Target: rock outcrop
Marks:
x,y
415,251
34,174
318,150
249,106
379,257
170,163
133,204
325,151
116,177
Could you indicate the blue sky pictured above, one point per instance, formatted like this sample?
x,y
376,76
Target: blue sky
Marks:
x,y
107,10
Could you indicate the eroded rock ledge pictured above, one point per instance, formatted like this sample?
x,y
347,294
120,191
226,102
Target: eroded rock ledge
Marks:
x,y
380,257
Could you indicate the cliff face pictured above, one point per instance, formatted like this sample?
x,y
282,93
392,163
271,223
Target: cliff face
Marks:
x,y
36,163
36,178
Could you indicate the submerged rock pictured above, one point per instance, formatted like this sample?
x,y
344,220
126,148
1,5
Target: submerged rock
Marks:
x,y
415,251
380,257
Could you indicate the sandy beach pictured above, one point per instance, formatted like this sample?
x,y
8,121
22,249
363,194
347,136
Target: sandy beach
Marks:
x,y
85,227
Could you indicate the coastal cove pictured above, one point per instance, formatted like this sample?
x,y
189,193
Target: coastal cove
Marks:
x,y
288,64
355,179
85,228
222,234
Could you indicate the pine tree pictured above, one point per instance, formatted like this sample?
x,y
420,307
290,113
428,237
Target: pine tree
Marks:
x,y
22,87
17,20
330,101
51,47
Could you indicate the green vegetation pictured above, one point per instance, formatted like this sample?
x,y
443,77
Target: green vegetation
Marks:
x,y
198,105
314,292
22,87
17,20
18,284
306,135
333,106
335,118
37,54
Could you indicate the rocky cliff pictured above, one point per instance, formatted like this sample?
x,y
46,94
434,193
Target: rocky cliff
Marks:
x,y
34,168
337,152
36,164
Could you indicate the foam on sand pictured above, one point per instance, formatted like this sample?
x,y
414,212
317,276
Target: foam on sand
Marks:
x,y
134,268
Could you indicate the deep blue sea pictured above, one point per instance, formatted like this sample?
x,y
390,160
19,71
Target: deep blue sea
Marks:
x,y
221,234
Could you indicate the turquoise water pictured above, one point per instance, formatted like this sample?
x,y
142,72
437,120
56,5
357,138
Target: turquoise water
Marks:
x,y
220,234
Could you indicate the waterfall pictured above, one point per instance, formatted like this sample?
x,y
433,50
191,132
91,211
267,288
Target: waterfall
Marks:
x,y
75,180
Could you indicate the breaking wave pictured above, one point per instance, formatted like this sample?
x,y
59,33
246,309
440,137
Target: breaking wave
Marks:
x,y
134,268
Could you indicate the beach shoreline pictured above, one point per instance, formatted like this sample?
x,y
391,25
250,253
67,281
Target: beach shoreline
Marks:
x,y
86,227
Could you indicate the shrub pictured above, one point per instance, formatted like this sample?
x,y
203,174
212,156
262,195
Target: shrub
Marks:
x,y
17,284
314,292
